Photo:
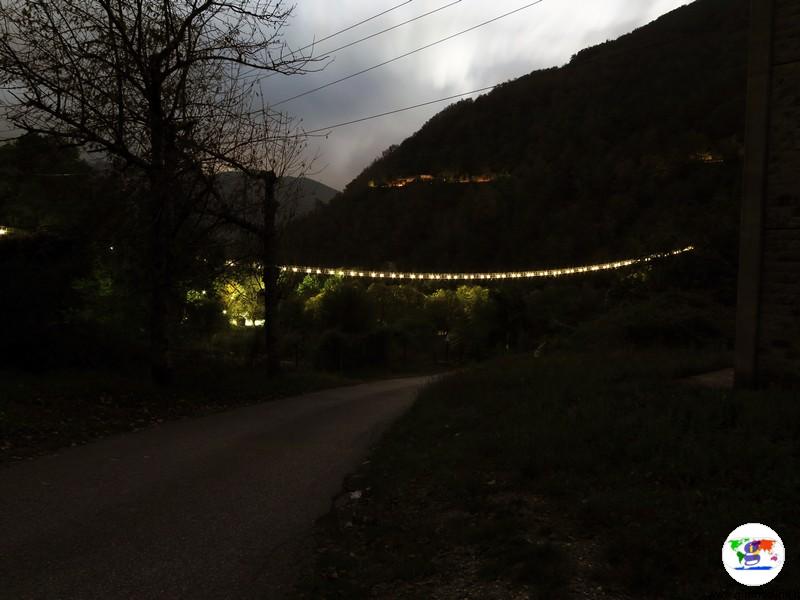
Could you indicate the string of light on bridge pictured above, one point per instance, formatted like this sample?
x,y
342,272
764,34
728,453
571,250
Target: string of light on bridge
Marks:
x,y
499,276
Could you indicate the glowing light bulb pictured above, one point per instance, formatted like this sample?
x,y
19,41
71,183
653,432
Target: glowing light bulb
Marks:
x,y
484,276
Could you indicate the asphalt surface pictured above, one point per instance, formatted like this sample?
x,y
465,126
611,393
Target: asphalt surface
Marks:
x,y
216,507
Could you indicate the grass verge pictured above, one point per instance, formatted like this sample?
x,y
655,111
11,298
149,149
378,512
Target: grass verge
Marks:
x,y
582,474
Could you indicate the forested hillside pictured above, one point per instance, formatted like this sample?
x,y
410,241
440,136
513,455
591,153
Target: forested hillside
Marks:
x,y
634,146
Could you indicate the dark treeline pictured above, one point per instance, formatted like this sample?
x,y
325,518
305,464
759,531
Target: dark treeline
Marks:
x,y
76,267
634,146
342,325
75,260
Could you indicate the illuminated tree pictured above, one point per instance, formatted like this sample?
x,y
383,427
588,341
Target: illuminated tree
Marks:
x,y
262,147
149,83
239,295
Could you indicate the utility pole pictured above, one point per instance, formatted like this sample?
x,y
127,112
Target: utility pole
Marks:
x,y
270,272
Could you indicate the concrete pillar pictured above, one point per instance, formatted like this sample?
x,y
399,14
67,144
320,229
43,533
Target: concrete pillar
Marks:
x,y
768,319
759,85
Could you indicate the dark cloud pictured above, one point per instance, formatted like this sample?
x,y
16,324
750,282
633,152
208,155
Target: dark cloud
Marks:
x,y
542,36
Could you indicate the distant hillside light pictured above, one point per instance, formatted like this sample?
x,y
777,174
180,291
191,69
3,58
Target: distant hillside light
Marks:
x,y
485,276
401,182
707,157
4,231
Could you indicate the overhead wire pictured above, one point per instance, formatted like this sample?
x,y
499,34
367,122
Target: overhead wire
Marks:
x,y
396,58
392,28
399,110
249,72
575,63
346,29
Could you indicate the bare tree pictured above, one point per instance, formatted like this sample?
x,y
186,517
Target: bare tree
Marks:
x,y
264,150
147,82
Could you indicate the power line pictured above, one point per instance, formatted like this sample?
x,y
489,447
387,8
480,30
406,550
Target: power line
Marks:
x,y
369,37
346,29
374,35
249,72
573,64
450,37
41,174
399,110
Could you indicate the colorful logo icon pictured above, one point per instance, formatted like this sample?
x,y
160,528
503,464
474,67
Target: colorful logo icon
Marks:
x,y
753,554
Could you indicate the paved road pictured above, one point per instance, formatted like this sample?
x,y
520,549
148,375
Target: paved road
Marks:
x,y
217,507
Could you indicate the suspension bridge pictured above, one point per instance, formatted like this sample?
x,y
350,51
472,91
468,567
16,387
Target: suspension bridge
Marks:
x,y
489,276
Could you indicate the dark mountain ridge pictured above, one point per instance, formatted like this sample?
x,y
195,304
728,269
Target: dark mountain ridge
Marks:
x,y
296,196
634,146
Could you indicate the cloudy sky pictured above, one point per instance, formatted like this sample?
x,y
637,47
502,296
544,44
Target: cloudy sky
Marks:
x,y
541,36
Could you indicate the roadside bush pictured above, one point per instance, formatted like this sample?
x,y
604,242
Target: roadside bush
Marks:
x,y
343,305
669,320
339,351
204,318
376,347
331,351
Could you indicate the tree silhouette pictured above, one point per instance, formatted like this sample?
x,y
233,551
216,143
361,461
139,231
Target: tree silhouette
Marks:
x,y
149,83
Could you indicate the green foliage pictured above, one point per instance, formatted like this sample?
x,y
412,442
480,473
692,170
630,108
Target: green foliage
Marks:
x,y
310,286
444,310
76,298
78,256
400,305
45,187
100,296
204,314
241,295
37,272
665,320
341,304
372,326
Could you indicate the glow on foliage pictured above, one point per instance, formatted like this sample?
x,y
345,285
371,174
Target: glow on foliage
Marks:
x,y
250,322
240,298
499,276
4,231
